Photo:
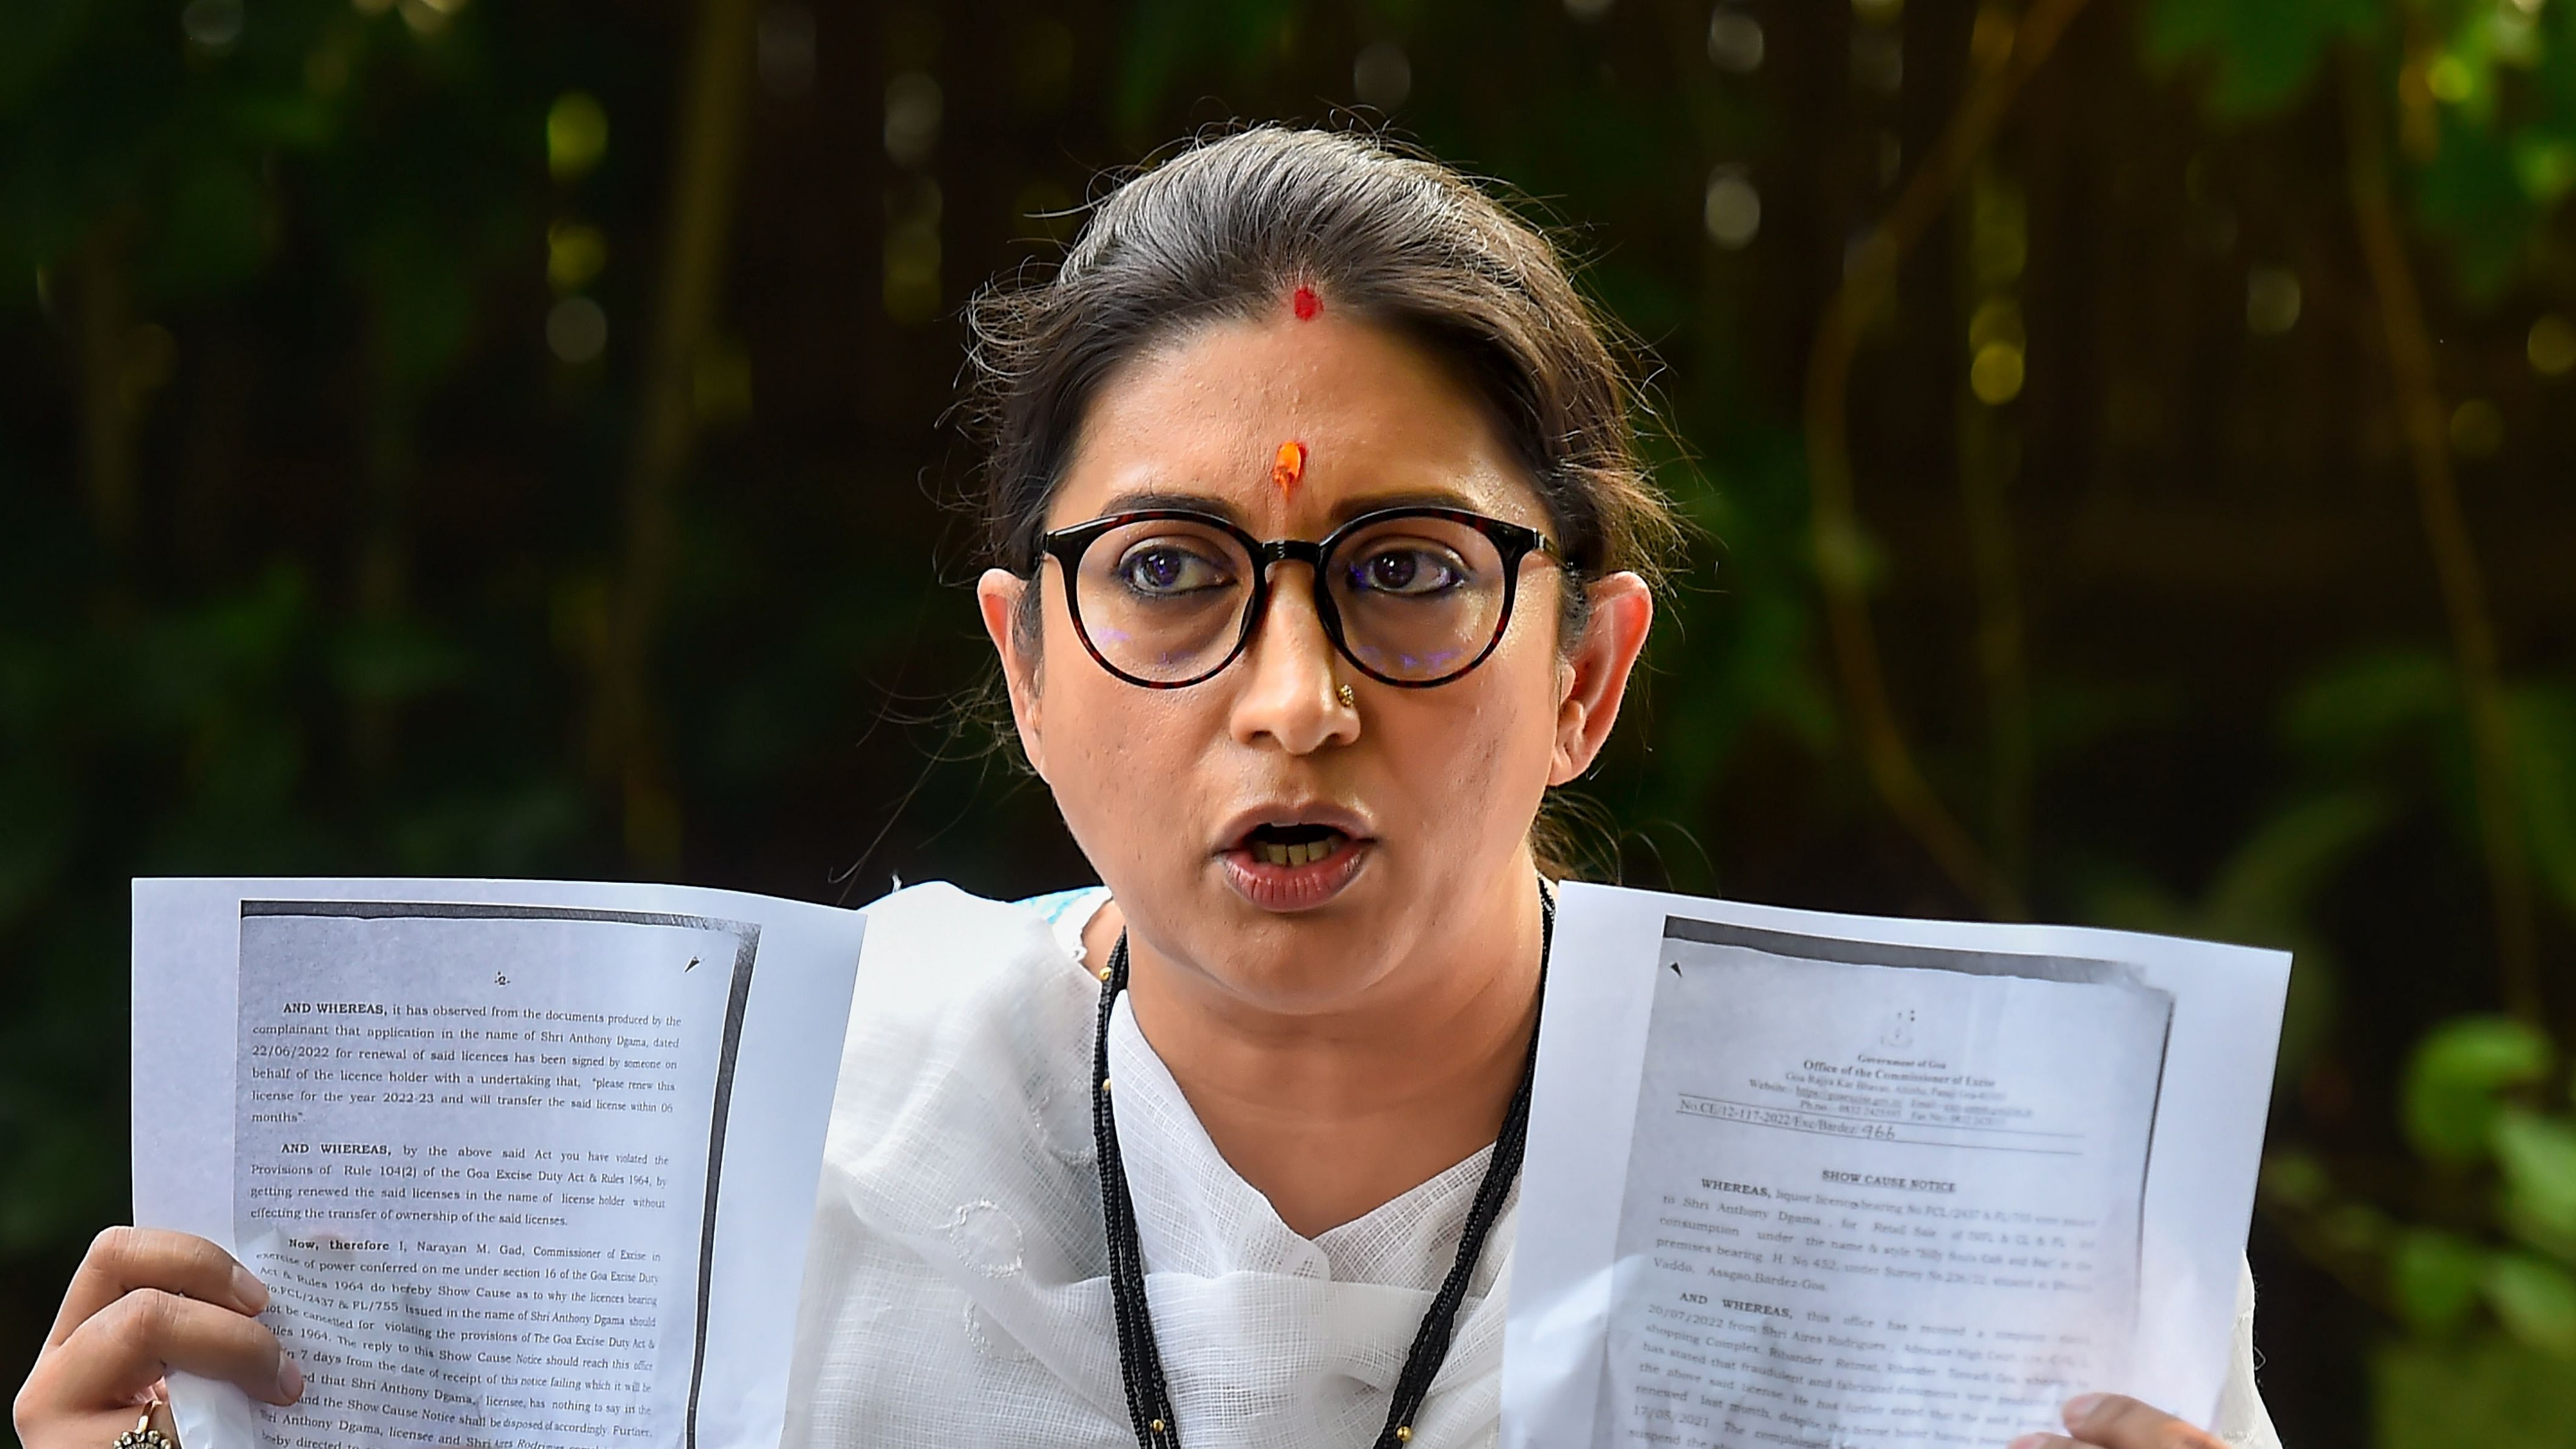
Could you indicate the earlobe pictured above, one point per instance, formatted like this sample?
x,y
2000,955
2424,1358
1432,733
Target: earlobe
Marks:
x,y
1614,634
998,596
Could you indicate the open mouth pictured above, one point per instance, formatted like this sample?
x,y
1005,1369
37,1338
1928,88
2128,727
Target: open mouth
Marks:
x,y
1297,858
1294,844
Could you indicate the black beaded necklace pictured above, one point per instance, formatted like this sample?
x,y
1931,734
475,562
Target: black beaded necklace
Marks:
x,y
1140,1362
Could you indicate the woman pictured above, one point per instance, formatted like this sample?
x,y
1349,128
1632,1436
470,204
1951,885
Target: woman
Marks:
x,y
1322,557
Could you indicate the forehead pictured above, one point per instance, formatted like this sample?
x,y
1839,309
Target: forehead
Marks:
x,y
1203,416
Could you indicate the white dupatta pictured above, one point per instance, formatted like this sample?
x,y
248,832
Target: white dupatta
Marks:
x,y
957,1288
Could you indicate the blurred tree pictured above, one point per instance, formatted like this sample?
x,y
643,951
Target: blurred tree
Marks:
x,y
2481,97
2127,440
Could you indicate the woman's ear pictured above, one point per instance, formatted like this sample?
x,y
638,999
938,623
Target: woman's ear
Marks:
x,y
998,596
1595,673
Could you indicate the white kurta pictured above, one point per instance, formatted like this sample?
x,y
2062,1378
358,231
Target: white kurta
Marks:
x,y
957,1288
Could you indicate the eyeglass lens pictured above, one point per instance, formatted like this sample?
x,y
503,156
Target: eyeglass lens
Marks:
x,y
1165,599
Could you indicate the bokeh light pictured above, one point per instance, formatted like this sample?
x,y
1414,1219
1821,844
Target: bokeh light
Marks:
x,y
1731,209
1734,40
577,330
216,25
912,252
1878,58
1382,76
576,135
913,104
429,17
2272,301
2477,429
2546,168
575,253
2451,80
2551,346
1998,320
1995,375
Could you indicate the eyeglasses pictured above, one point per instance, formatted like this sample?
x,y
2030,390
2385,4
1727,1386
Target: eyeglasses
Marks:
x,y
1412,597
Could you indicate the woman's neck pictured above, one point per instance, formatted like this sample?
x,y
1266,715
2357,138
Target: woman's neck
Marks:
x,y
1330,1115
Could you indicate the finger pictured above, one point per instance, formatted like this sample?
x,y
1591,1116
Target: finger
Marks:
x,y
2044,1441
123,1259
120,1351
2115,1421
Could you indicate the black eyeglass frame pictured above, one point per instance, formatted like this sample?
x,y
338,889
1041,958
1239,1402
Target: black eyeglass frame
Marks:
x,y
1067,546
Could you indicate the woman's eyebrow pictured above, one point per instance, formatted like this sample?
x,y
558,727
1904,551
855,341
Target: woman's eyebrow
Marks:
x,y
1149,501
1350,508
1153,500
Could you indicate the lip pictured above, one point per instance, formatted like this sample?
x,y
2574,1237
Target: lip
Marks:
x,y
1350,822
1293,887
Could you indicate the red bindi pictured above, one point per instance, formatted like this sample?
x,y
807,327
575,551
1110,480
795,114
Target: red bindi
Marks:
x,y
1289,469
1307,304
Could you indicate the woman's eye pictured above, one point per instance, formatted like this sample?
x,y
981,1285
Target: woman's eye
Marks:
x,y
1407,572
1169,569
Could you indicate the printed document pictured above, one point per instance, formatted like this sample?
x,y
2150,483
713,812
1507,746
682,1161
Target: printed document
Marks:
x,y
520,1163
1825,1181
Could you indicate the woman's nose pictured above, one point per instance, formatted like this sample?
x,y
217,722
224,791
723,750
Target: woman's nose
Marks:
x,y
1291,675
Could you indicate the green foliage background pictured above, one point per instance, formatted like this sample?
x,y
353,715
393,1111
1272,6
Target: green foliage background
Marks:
x,y
317,554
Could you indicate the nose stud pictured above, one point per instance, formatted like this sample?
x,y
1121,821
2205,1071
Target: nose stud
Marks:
x,y
1349,700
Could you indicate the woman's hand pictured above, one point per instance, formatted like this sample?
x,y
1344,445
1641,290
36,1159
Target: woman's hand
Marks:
x,y
2108,1421
142,1303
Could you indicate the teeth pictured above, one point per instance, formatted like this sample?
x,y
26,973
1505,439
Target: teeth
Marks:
x,y
1303,854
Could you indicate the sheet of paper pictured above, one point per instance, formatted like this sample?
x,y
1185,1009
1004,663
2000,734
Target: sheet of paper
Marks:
x,y
1814,1180
522,1163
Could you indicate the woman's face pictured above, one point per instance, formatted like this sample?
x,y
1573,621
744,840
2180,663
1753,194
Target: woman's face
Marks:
x,y
1254,829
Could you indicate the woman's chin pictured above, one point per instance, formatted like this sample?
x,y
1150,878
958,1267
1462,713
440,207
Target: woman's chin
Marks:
x,y
1272,886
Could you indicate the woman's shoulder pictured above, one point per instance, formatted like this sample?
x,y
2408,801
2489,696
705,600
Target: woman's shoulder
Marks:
x,y
971,1016
957,1169
935,938
938,959
1068,913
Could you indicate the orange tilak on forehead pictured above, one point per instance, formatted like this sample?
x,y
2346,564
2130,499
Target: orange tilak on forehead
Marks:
x,y
1288,470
